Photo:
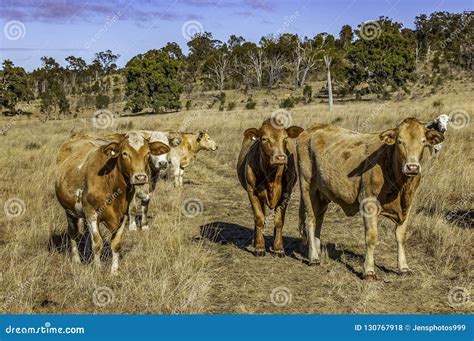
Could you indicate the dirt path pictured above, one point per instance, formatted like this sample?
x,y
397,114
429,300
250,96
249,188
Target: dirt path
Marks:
x,y
247,284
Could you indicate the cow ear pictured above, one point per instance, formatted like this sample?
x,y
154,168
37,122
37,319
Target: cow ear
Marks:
x,y
434,137
158,148
252,133
112,149
176,141
200,135
389,136
294,131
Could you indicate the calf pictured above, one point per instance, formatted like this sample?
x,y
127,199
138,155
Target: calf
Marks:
x,y
182,155
267,171
377,174
95,181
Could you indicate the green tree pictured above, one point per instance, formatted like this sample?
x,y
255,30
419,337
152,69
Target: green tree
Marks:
x,y
153,81
385,61
15,85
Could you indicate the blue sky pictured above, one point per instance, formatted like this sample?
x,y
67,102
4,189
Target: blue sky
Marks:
x,y
58,28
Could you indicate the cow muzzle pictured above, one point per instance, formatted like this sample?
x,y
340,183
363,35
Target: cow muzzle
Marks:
x,y
411,169
162,164
139,179
279,159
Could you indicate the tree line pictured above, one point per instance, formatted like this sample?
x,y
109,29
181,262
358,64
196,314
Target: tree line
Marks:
x,y
377,57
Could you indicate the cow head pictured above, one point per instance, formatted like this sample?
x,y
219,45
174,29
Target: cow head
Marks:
x,y
161,161
132,151
273,141
205,142
409,139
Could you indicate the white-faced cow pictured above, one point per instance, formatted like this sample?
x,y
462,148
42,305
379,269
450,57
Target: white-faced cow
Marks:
x,y
377,174
95,181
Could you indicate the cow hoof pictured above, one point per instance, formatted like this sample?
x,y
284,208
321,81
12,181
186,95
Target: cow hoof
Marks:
x,y
145,227
314,262
279,254
370,277
76,260
405,272
259,253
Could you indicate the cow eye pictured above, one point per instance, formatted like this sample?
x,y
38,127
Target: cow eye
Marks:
x,y
264,139
399,142
423,141
125,154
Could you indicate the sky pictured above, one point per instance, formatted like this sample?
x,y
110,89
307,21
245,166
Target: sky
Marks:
x,y
60,28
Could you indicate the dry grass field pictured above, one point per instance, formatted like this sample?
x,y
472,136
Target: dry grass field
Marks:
x,y
204,264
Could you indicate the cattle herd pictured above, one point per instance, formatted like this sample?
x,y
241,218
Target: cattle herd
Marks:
x,y
102,179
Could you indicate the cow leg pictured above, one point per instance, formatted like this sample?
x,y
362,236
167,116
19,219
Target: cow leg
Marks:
x,y
176,170
96,240
132,212
278,237
308,222
181,172
73,232
401,234
116,245
259,217
145,202
319,209
371,237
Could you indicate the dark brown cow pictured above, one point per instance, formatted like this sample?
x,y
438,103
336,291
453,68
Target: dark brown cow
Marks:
x,y
376,174
267,171
95,181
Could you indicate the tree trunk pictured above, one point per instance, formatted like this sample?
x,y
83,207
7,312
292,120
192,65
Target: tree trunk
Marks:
x,y
327,61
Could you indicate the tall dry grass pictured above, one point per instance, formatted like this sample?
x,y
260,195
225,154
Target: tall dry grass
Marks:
x,y
167,270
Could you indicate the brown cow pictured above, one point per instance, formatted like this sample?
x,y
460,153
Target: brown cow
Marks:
x,y
95,181
267,171
182,155
376,174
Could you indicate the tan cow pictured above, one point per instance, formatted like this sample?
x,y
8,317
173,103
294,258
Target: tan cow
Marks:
x,y
267,171
182,155
376,174
95,181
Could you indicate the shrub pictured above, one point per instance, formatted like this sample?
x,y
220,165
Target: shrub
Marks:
x,y
231,106
250,104
102,101
287,103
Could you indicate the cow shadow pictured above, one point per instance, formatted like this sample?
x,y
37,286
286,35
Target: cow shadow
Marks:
x,y
61,243
242,237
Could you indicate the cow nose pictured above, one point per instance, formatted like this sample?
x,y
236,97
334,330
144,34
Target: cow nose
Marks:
x,y
279,159
163,164
140,179
413,167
